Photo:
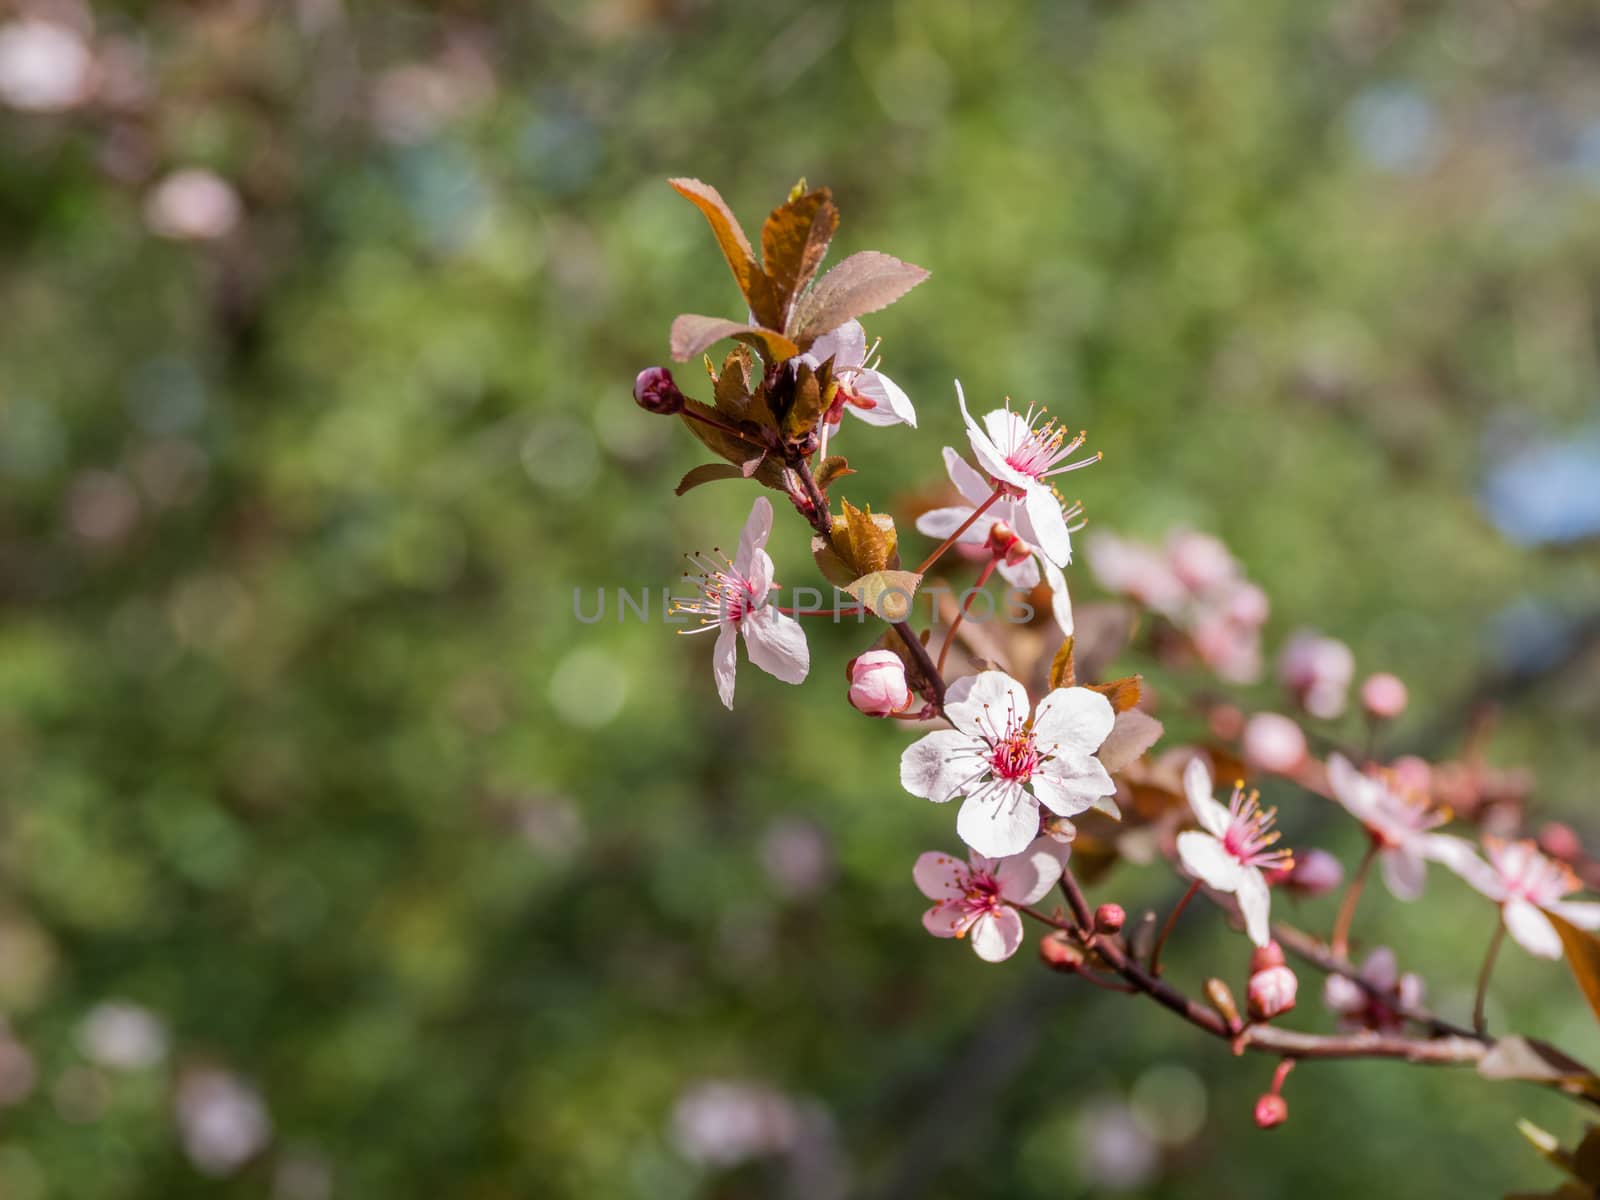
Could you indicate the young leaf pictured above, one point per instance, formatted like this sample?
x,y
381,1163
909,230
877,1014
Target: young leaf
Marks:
x,y
862,283
1583,957
870,541
706,473
1123,693
1133,734
831,563
805,409
733,384
833,467
747,273
774,347
1061,675
794,240
737,450
887,594
692,333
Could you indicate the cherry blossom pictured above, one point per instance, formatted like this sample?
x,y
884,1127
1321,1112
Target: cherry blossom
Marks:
x,y
978,896
1232,847
1526,885
1378,1005
1007,529
863,389
1317,670
1399,824
878,683
1007,765
1023,452
733,599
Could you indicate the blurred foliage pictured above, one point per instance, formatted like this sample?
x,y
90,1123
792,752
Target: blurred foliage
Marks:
x,y
306,751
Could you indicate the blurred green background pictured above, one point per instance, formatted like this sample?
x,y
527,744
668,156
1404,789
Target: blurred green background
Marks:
x,y
320,321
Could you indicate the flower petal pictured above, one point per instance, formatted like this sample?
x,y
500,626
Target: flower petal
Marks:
x,y
1531,928
1006,429
891,405
1071,784
1380,969
996,936
1025,878
1255,902
984,706
1355,792
776,643
974,488
1204,857
1023,576
1404,871
940,876
1054,541
939,766
725,660
1344,996
1585,914
942,522
846,345
754,536
1212,816
1060,598
1458,855
1073,720
947,919
999,819
990,457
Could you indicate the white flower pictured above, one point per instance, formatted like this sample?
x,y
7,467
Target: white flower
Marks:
x,y
44,67
1234,849
864,390
1526,885
1023,454
1020,567
978,896
1400,826
1007,765
733,599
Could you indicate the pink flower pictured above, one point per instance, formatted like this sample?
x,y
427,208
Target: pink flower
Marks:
x,y
1399,824
1358,1007
1138,572
1317,672
863,389
1526,885
1272,986
878,683
1232,847
1021,559
733,599
1201,561
977,896
1007,765
1273,743
1023,454
192,204
1383,696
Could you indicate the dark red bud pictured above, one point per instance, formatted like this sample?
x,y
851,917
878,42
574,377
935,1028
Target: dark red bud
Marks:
x,y
654,391
1109,918
1059,954
1272,1110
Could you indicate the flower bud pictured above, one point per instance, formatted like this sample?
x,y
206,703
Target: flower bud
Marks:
x,y
1413,774
1383,696
1221,998
1559,841
1273,743
878,683
654,391
1109,918
1272,984
1005,544
1272,1110
1315,873
1316,671
1058,953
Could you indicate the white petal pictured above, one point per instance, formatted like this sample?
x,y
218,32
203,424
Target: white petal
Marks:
x,y
724,661
1060,599
1353,790
1343,996
1006,429
1255,901
937,766
974,488
1532,929
1204,857
1585,914
984,706
891,405
1070,785
1380,969
940,876
942,522
1073,720
758,574
947,919
1212,816
1024,576
754,536
846,345
1025,878
777,644
1404,871
996,936
999,819
1049,525
990,457
1458,855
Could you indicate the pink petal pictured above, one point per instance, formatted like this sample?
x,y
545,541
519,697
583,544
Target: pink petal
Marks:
x,y
1049,525
1380,969
942,522
940,877
979,704
754,537
1060,599
892,405
1212,816
777,644
1255,901
947,919
1585,914
974,488
1404,872
1025,878
1072,784
996,936
724,660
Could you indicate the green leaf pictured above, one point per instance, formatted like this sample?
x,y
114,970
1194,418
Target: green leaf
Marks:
x,y
707,473
794,241
862,283
1061,675
1583,957
887,594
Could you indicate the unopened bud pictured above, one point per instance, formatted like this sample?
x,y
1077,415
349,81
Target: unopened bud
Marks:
x,y
1559,841
1273,742
1272,1110
1058,953
1272,984
878,683
1413,774
1222,1000
654,391
1383,696
1004,543
1109,918
1315,873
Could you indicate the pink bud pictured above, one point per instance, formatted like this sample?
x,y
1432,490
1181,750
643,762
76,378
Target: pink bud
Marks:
x,y
1559,841
1271,991
1272,1110
1273,743
654,391
878,683
1225,720
1383,696
1413,774
1248,605
1315,873
1059,954
1200,560
1109,918
1317,671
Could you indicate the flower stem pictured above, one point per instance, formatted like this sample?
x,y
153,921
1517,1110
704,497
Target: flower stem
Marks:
x,y
819,612
954,537
1347,906
1484,972
972,594
820,517
925,663
1166,930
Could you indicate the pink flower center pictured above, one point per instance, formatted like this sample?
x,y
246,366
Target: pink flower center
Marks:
x,y
1529,875
1250,834
1039,448
1014,756
982,894
725,595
